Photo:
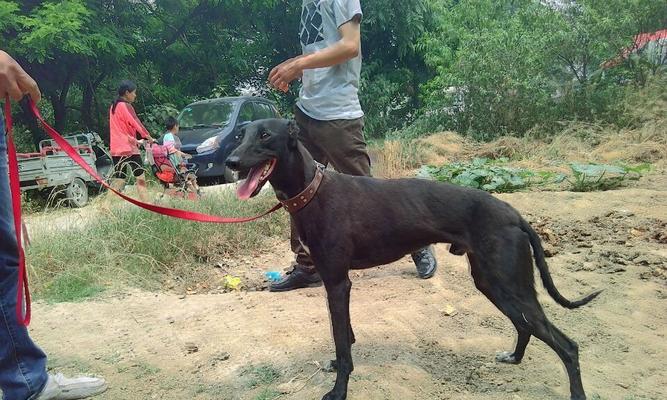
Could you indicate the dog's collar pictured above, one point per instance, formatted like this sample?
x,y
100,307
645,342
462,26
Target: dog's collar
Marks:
x,y
299,201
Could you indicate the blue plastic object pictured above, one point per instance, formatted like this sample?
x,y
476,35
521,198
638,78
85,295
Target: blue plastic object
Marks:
x,y
273,276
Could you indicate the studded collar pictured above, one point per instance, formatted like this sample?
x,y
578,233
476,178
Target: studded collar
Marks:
x,y
299,201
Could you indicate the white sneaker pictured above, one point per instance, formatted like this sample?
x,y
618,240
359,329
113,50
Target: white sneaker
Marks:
x,y
58,387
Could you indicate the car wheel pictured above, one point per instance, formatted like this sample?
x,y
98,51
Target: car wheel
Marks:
x,y
77,193
231,176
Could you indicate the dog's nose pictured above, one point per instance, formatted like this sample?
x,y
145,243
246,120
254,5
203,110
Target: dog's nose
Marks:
x,y
233,162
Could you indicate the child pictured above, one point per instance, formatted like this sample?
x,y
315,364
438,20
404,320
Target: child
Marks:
x,y
173,144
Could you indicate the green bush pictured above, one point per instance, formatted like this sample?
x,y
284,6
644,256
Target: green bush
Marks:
x,y
592,177
484,174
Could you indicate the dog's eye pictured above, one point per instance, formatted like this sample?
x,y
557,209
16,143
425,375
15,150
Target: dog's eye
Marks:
x,y
238,137
265,135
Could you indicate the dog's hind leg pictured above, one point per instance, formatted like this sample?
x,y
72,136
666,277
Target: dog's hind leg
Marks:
x,y
532,321
493,282
493,291
338,296
506,278
566,348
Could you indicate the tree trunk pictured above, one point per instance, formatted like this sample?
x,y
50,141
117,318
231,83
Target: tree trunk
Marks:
x,y
59,112
87,106
31,122
59,103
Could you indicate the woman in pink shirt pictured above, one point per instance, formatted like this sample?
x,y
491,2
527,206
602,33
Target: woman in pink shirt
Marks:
x,y
125,128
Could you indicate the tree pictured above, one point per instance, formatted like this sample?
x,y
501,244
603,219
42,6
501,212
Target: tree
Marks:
x,y
507,66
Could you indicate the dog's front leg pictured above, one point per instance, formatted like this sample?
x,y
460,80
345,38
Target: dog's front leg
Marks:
x,y
338,295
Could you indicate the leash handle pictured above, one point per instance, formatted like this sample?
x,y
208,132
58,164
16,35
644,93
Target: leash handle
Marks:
x,y
23,309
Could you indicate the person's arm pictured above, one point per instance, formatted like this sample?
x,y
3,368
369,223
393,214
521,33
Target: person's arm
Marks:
x,y
134,122
185,156
345,49
15,81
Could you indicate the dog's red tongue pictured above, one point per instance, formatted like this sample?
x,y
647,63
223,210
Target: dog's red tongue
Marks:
x,y
249,185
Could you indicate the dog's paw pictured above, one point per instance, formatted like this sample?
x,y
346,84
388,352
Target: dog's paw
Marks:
x,y
507,358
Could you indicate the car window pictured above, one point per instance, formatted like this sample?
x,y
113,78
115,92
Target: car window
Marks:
x,y
206,115
246,113
263,111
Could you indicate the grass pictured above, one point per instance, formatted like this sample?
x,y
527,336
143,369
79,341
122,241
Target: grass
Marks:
x,y
125,245
267,394
143,370
73,285
393,158
261,375
596,396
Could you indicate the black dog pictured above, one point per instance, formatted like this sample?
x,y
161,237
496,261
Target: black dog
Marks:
x,y
348,222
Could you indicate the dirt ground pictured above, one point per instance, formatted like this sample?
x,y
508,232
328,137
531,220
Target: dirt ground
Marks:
x,y
416,339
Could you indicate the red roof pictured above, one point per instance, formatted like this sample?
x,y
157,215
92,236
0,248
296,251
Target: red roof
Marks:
x,y
639,42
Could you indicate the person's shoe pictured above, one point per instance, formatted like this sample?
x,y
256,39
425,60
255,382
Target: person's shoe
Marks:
x,y
425,262
296,279
58,387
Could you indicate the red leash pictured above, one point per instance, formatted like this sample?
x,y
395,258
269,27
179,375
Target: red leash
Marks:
x,y
23,293
67,148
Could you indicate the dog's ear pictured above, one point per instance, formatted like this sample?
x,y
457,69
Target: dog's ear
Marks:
x,y
293,132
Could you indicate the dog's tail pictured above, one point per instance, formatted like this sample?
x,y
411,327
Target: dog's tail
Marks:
x,y
541,262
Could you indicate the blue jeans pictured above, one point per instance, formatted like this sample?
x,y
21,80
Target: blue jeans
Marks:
x,y
22,363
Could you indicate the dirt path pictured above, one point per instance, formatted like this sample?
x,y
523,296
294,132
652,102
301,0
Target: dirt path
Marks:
x,y
249,345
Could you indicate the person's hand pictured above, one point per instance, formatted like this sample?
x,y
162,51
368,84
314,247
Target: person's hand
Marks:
x,y
187,156
15,81
283,74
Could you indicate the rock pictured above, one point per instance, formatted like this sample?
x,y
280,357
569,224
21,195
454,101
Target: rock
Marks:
x,y
288,387
170,320
219,357
449,310
615,270
549,235
660,237
649,259
191,348
549,249
181,297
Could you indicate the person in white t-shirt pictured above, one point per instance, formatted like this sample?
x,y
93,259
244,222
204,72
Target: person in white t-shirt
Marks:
x,y
328,111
